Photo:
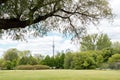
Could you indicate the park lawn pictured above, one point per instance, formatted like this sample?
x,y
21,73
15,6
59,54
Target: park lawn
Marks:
x,y
60,75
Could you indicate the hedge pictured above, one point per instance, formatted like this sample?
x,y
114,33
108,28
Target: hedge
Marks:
x,y
32,67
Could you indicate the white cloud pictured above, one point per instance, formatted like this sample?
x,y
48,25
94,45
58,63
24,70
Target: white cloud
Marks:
x,y
44,45
6,41
1,51
115,6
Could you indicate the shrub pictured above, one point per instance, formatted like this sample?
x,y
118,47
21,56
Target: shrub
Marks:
x,y
114,58
25,67
114,61
104,66
32,67
7,65
115,65
40,67
84,60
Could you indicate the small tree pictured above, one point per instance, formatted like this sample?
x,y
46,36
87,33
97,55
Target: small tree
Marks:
x,y
59,60
39,58
32,60
11,54
11,58
24,60
47,61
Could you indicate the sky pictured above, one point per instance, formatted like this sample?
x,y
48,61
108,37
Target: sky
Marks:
x,y
43,45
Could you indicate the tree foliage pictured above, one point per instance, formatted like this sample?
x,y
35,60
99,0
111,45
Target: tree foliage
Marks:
x,y
114,58
102,59
59,60
24,53
24,61
116,46
107,53
11,55
18,17
1,62
68,60
103,42
11,58
47,61
55,62
84,60
95,42
114,61
8,65
28,60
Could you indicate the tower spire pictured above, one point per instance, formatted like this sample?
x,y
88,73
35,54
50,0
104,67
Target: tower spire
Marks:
x,y
53,46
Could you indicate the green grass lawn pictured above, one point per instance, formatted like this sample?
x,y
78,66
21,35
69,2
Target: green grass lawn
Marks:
x,y
60,75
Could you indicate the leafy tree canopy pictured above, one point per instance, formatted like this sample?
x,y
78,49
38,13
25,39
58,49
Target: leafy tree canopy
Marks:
x,y
21,17
95,42
11,55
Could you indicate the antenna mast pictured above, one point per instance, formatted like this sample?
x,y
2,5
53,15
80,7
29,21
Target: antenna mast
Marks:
x,y
53,46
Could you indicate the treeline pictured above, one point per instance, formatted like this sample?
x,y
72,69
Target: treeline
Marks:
x,y
96,52
101,59
15,59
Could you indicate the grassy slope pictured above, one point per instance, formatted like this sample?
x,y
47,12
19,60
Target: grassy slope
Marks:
x,y
60,75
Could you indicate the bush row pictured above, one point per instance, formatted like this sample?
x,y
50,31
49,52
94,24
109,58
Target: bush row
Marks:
x,y
32,67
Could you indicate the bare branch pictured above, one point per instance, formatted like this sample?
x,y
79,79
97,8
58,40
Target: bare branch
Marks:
x,y
61,16
84,14
74,29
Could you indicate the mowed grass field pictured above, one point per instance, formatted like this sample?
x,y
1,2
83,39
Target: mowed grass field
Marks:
x,y
60,75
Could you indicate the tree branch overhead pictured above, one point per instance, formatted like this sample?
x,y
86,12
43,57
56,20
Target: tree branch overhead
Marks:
x,y
24,13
